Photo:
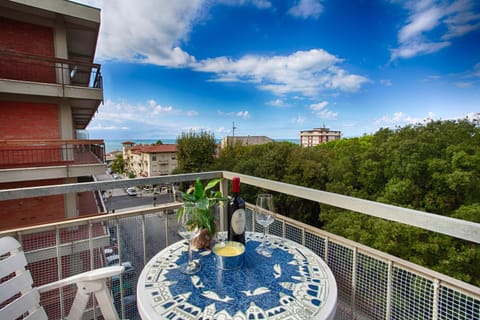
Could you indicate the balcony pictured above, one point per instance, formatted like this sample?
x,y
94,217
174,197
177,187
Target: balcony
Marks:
x,y
47,77
48,159
371,284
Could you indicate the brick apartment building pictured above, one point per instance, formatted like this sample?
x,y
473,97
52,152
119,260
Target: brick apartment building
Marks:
x,y
314,137
49,91
150,160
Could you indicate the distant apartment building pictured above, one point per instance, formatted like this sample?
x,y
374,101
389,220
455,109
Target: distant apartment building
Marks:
x,y
150,160
310,138
244,140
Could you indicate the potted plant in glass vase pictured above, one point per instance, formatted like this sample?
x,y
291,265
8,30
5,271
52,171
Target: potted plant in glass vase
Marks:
x,y
205,200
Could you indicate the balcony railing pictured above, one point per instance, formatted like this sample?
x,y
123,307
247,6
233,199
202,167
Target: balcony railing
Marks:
x,y
41,153
26,67
371,284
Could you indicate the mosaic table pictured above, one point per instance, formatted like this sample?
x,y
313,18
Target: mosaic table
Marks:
x,y
293,284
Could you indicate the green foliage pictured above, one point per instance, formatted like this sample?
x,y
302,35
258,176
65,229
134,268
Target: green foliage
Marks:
x,y
195,151
433,167
158,142
204,198
118,164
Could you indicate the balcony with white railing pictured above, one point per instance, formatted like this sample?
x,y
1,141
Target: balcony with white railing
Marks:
x,y
371,284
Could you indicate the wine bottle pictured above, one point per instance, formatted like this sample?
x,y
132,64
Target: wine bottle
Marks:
x,y
236,214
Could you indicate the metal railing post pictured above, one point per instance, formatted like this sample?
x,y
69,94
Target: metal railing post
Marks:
x,y
59,270
388,304
436,294
354,281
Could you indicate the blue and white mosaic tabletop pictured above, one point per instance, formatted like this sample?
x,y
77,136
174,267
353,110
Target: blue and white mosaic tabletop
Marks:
x,y
293,284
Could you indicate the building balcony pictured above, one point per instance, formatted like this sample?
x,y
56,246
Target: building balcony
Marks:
x,y
23,160
24,76
371,284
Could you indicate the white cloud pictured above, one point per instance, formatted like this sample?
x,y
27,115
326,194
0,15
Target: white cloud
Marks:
x,y
463,84
476,72
150,113
327,114
222,130
306,9
321,111
157,109
318,106
240,114
305,72
153,31
432,25
276,103
415,48
400,118
261,4
150,31
422,20
100,127
243,114
299,120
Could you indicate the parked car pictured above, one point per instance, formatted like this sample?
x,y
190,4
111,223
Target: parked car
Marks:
x,y
129,269
131,191
109,252
127,276
113,260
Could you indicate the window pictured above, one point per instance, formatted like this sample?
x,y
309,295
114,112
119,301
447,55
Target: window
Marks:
x,y
154,157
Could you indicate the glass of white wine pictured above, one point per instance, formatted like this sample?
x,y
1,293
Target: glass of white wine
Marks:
x,y
188,229
264,215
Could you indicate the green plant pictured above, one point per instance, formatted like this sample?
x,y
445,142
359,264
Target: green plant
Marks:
x,y
204,198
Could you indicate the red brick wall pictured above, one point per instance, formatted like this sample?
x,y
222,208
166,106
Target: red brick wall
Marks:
x,y
31,39
28,121
25,212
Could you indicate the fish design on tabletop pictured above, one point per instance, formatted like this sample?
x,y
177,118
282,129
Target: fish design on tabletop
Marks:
x,y
277,271
197,283
293,263
214,296
205,253
256,292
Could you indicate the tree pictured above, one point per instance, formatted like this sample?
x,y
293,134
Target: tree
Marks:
x,y
118,164
433,167
158,142
195,151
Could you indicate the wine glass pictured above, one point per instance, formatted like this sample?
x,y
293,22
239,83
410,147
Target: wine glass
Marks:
x,y
264,215
188,229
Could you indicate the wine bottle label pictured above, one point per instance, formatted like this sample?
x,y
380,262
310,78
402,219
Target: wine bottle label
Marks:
x,y
238,221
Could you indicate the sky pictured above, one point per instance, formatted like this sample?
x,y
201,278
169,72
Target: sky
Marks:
x,y
275,68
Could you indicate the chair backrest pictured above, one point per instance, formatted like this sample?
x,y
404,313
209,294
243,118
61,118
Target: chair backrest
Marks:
x,y
17,297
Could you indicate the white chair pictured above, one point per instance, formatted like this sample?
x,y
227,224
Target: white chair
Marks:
x,y
19,300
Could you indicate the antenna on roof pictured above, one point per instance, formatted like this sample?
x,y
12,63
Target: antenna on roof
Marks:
x,y
233,129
